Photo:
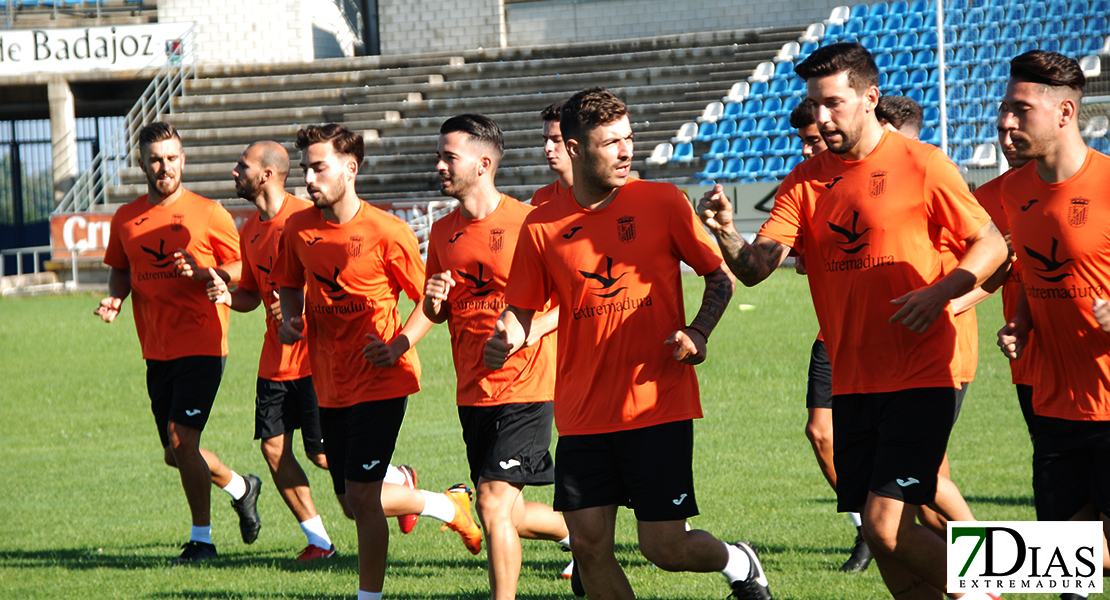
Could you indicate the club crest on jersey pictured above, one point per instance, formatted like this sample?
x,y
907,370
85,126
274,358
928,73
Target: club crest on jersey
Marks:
x,y
496,240
626,229
877,184
354,246
177,222
1077,212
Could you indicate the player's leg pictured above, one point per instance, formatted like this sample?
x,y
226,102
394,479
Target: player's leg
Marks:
x,y
948,506
1025,402
496,503
541,522
910,558
183,453
819,432
592,533
373,533
311,433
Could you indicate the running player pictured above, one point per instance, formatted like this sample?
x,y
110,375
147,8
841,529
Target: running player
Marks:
x,y
356,260
627,393
160,249
556,153
865,211
505,415
1060,234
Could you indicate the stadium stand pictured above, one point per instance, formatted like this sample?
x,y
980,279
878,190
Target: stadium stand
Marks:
x,y
50,14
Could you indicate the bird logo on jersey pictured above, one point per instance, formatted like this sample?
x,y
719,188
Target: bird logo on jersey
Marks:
x,y
626,229
607,280
496,240
335,289
1077,212
267,270
354,246
478,282
851,236
177,222
1049,264
161,258
877,184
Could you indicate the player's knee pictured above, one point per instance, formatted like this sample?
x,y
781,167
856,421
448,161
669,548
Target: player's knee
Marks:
x,y
272,451
882,538
665,556
320,460
585,547
493,510
818,435
168,457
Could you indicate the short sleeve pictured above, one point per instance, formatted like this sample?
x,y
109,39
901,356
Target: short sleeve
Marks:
x,y
246,279
223,236
288,270
689,240
529,285
405,264
433,256
785,223
115,256
949,202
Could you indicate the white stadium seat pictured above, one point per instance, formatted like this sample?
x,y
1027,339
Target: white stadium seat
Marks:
x,y
712,112
763,72
737,93
685,134
661,154
838,15
813,33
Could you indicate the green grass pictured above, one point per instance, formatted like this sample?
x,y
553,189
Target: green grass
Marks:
x,y
88,510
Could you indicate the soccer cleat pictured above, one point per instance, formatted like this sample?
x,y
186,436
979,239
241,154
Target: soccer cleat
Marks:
x,y
463,523
755,586
314,552
247,507
860,558
1072,597
407,522
569,571
194,552
576,581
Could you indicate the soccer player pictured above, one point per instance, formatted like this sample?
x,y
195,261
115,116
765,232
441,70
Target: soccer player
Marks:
x,y
865,211
160,249
802,119
506,414
627,392
356,260
1060,232
900,114
556,153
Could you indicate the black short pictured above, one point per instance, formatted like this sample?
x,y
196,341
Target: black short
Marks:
x,y
890,444
509,442
1071,467
650,470
819,385
282,407
182,390
359,440
1025,401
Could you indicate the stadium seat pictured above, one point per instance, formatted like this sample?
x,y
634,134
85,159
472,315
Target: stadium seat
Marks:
x,y
929,135
793,161
1073,28
985,54
1035,12
732,110
1052,29
974,18
918,96
757,89
773,106
884,60
790,104
795,145
1031,31
745,127
833,31
859,11
706,132
919,6
996,90
897,80
813,33
719,149
711,113
926,41
976,92
1026,46
964,55
1101,144
780,146
839,14
887,42
893,23
1050,45
1078,8
989,35
968,37
931,97
962,153
713,169
956,75
902,60
986,133
927,59
758,147
853,26
764,126
971,112
782,126
912,22
1015,14
796,87
1099,7
962,134
1091,65
1093,45
879,9
683,153
788,51
752,167
739,147
1095,26
784,69
807,49
772,166
907,41
871,42
685,133
932,116
763,72
660,155
873,25
1058,9
725,129
731,170
919,78
954,112
777,87
900,7
984,155
1071,46
1011,32
1001,70
737,93
996,15
954,94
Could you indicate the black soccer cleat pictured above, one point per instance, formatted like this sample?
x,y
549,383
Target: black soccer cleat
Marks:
x,y
755,586
860,558
193,552
576,581
1072,597
247,507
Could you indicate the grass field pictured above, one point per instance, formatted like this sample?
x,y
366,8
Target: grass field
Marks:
x,y
88,510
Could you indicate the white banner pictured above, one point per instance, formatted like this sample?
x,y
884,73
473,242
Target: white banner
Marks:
x,y
119,48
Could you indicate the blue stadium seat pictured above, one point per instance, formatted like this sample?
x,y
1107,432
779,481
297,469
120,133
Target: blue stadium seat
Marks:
x,y
964,134
758,147
713,169
989,35
1071,47
917,96
980,72
956,5
757,89
834,31
1095,26
927,41
778,87
907,41
793,161
1052,29
871,42
772,166
789,104
797,87
1026,46
931,97
962,153
913,22
752,108
739,147
859,11
1001,70
683,152
806,49
795,145
1031,31
773,106
752,167
932,116
1050,45
972,112
780,146
996,15
880,9
918,6
894,23
873,25
964,55
900,7
1092,45
985,54
718,150
1057,10
782,126
1035,12
732,110
968,37
884,60
927,59
725,129
1011,32
853,27
888,42
954,112
1073,28
987,133
1006,51
732,169
895,81
996,90
1102,144
902,60
706,131
955,94
1015,14
745,127
784,69
1098,8
1078,8
956,75
918,78
929,135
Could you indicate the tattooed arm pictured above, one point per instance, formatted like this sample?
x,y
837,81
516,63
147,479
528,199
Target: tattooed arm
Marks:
x,y
752,263
690,343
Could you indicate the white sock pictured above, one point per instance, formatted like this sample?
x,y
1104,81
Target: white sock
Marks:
x,y
565,542
394,475
237,487
738,567
314,530
369,595
437,506
201,534
855,519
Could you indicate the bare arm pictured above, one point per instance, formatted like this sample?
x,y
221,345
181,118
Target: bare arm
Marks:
x,y
751,263
436,290
386,354
510,331
690,343
292,321
239,300
185,265
1013,337
541,326
119,288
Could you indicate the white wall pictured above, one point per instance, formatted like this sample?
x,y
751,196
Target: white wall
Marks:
x,y
408,26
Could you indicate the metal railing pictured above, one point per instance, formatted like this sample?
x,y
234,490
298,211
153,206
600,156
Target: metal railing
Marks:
x,y
19,253
421,224
91,187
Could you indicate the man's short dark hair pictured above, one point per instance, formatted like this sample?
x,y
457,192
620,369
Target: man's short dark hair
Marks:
x,y
900,111
802,115
479,128
342,140
844,56
1048,68
554,111
588,109
158,131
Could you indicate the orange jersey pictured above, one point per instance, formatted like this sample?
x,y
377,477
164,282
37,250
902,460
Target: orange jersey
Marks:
x,y
967,325
479,253
1022,370
615,272
869,228
173,316
549,192
1062,238
259,246
355,274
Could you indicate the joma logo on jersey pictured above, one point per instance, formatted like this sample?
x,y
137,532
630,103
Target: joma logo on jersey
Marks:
x,y
177,223
1049,264
851,236
1077,212
626,229
354,246
496,240
876,185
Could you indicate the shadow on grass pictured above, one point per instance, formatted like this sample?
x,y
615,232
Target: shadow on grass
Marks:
x,y
223,595
1001,500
